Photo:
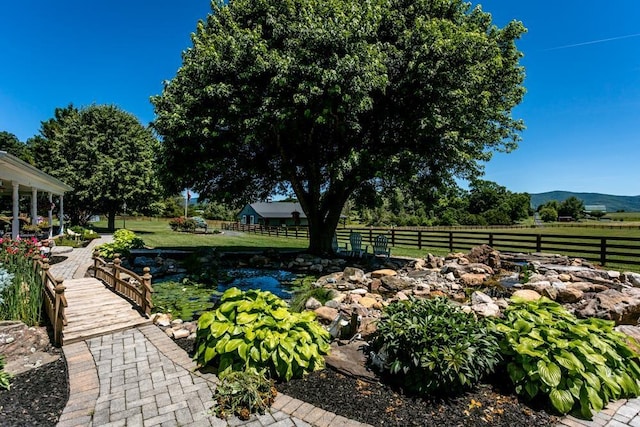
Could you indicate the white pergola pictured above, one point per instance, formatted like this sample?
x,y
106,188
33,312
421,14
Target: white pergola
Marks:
x,y
18,177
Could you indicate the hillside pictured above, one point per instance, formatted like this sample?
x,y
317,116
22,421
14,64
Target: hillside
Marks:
x,y
613,203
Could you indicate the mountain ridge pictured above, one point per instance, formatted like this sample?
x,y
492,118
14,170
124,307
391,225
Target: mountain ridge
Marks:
x,y
612,202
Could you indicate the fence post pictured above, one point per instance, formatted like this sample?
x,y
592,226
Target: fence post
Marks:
x,y
147,290
43,271
286,232
603,251
96,255
491,239
450,241
58,312
538,243
296,232
370,235
419,239
393,237
116,268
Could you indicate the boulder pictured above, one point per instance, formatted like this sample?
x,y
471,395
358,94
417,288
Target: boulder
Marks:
x,y
312,304
473,279
480,298
527,294
485,254
383,273
569,294
486,309
621,307
326,314
353,275
393,285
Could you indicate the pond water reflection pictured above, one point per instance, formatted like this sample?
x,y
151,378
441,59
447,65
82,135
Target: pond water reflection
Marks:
x,y
186,299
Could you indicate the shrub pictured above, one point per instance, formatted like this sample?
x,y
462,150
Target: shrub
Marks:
x,y
432,345
254,330
123,241
243,393
578,364
183,224
305,289
5,377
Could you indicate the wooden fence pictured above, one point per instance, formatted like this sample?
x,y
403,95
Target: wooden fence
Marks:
x,y
603,250
129,285
54,300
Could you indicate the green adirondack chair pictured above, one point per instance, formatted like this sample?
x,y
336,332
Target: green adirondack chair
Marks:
x,y
356,245
381,246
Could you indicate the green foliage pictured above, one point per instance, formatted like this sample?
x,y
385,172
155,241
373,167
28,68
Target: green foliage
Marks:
x,y
302,292
12,145
85,233
548,214
20,283
105,154
5,377
243,393
254,330
123,241
572,207
183,224
183,299
433,346
578,364
412,93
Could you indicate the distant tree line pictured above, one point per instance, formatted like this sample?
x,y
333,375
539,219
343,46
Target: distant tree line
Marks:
x,y
572,209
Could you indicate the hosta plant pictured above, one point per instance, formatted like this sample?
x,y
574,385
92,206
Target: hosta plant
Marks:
x,y
243,393
432,345
254,330
580,364
123,241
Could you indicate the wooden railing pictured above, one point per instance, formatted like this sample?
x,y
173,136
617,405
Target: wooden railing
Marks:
x,y
601,249
129,285
54,300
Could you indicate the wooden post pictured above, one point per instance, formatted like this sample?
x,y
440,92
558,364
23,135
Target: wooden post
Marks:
x,y
96,255
393,237
43,271
116,272
491,239
450,241
603,251
147,290
419,239
58,320
538,243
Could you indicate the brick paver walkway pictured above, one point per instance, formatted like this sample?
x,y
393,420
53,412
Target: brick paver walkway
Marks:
x,y
140,377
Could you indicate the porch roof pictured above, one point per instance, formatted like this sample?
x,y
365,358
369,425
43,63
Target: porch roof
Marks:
x,y
12,169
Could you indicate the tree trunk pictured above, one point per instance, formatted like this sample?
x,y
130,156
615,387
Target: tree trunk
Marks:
x,y
321,232
111,221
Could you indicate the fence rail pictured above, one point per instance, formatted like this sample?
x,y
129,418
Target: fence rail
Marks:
x,y
137,289
618,250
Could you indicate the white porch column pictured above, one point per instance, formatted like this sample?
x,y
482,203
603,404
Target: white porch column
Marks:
x,y
50,219
34,206
15,222
61,214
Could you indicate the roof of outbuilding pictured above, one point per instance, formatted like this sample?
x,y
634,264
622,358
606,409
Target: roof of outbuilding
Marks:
x,y
277,209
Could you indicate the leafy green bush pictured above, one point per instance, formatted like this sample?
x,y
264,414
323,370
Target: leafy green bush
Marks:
x,y
85,233
254,330
243,393
123,241
304,289
432,345
5,377
577,363
183,224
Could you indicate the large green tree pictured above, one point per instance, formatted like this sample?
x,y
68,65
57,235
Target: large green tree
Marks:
x,y
325,97
12,145
105,154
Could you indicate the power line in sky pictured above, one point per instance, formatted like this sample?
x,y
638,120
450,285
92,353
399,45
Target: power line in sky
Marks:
x,y
593,42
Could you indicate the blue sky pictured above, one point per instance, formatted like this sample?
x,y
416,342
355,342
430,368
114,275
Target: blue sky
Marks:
x,y
582,59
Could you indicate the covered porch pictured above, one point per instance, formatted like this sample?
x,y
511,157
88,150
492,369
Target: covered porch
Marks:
x,y
20,178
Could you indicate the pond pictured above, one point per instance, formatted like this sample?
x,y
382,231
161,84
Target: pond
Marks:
x,y
186,299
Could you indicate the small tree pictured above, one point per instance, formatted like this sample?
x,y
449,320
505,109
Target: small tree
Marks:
x,y
548,214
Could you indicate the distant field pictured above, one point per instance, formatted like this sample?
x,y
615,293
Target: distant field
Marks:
x,y
624,216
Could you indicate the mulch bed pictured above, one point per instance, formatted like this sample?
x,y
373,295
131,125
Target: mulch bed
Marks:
x,y
37,397
489,404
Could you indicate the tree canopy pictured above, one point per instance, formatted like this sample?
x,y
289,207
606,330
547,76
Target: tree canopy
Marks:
x,y
105,154
12,145
326,98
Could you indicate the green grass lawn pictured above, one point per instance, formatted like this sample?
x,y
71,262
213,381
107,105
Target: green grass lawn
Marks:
x,y
157,233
